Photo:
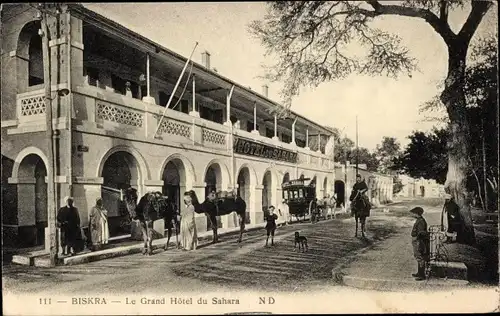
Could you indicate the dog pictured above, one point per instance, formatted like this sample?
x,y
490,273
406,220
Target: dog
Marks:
x,y
301,241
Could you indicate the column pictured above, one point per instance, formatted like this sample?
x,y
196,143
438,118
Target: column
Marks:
x,y
307,138
293,132
255,131
148,99
319,143
275,137
228,107
194,112
255,207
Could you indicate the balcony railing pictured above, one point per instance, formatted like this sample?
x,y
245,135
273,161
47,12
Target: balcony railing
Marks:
x,y
115,112
31,106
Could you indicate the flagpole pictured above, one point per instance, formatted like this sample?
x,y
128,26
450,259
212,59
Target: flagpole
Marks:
x,y
175,88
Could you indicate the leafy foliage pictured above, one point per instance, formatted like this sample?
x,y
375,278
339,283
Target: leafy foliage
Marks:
x,y
425,156
386,152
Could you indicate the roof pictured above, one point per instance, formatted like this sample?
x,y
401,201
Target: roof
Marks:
x,y
86,14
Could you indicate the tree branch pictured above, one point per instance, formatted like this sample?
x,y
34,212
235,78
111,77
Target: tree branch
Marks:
x,y
440,26
443,11
479,9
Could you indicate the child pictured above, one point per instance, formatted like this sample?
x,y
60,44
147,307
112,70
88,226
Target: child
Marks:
x,y
271,224
420,242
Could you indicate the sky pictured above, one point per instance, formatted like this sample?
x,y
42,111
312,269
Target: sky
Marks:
x,y
383,106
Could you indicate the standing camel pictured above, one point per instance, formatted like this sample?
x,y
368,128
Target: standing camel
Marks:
x,y
152,206
222,203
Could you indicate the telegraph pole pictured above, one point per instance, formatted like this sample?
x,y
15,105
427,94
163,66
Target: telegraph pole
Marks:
x,y
52,201
357,150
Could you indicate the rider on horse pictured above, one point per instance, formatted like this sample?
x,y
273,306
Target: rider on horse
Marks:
x,y
360,188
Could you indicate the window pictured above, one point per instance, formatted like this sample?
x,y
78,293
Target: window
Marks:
x,y
301,193
207,113
286,138
233,119
35,64
250,126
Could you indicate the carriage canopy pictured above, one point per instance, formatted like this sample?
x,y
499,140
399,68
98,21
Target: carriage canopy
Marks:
x,y
300,189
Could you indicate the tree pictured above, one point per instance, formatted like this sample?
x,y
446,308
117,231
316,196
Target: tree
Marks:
x,y
386,152
310,40
366,157
482,116
425,156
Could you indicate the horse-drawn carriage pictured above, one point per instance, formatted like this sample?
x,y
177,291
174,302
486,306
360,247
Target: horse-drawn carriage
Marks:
x,y
300,197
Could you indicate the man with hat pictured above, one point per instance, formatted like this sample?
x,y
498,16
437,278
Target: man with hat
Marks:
x,y
452,211
68,220
420,242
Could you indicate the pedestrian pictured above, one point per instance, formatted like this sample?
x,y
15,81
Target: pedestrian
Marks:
x,y
189,236
69,221
455,223
271,224
98,220
420,243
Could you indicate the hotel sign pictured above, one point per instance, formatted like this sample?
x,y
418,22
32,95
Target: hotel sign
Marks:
x,y
251,148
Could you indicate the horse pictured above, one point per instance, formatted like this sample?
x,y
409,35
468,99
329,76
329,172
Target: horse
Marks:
x,y
328,203
360,208
219,204
152,206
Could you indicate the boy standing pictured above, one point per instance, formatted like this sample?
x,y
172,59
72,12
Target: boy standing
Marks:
x,y
271,224
420,242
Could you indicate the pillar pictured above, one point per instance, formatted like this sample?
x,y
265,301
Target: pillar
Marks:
x,y
255,209
148,98
275,137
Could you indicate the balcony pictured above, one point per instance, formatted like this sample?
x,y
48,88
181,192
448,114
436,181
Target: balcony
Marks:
x,y
115,113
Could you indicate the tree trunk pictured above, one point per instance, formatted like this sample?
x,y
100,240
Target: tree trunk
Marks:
x,y
453,97
483,151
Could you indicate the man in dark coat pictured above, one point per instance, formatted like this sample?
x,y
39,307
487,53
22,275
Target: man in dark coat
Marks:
x,y
420,242
455,224
360,188
68,220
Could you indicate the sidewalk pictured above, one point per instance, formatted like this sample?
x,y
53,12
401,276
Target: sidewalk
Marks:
x,y
388,265
128,246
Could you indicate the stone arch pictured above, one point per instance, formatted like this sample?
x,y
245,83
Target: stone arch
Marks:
x,y
29,49
244,181
178,176
22,154
32,197
340,192
221,173
189,169
141,162
252,173
286,177
269,182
